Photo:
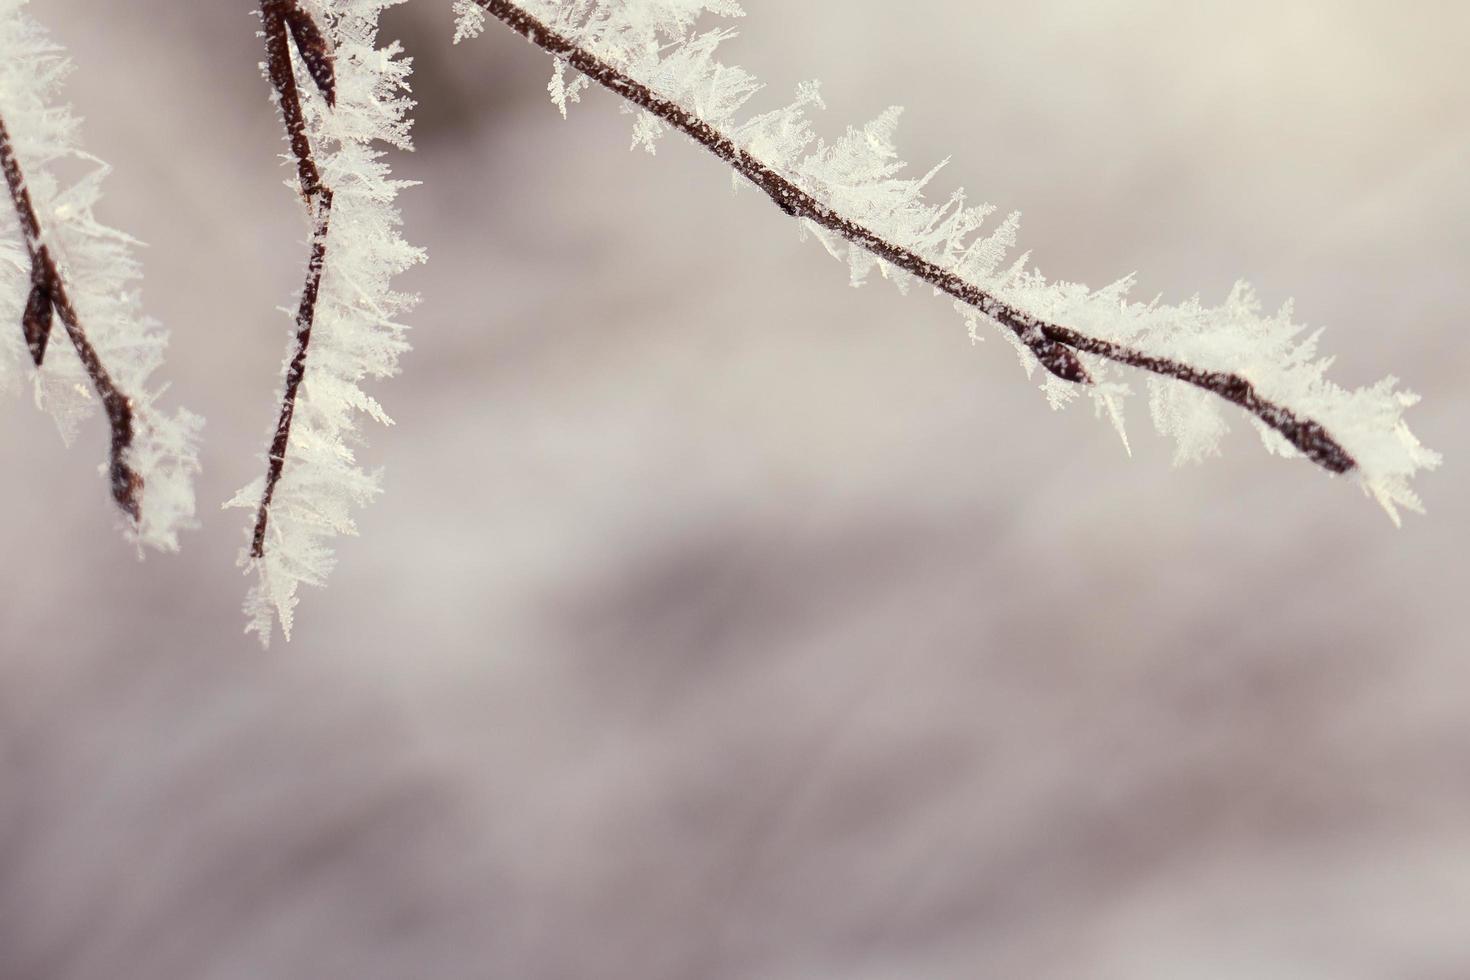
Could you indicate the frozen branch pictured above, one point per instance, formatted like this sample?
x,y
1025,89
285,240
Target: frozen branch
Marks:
x,y
647,52
48,293
279,18
339,94
60,263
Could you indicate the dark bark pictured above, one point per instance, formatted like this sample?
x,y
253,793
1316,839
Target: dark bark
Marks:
x,y
285,22
49,295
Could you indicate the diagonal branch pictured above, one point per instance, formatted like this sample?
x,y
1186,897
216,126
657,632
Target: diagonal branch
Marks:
x,y
49,294
286,22
1054,345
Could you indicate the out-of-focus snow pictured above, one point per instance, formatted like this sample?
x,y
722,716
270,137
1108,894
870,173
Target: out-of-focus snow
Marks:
x,y
733,623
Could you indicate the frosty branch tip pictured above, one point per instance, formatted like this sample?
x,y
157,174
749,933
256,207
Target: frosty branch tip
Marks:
x,y
285,22
340,94
48,293
1053,345
850,195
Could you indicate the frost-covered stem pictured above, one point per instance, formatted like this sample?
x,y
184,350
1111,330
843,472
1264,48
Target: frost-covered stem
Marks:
x,y
1055,346
305,318
48,293
279,17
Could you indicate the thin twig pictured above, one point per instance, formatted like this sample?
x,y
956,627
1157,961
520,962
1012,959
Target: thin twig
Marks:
x,y
1055,346
285,22
48,294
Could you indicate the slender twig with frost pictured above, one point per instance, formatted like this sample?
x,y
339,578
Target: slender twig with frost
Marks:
x,y
284,22
77,266
48,293
337,96
849,195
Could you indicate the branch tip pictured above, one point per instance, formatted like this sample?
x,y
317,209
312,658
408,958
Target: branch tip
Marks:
x,y
49,298
284,22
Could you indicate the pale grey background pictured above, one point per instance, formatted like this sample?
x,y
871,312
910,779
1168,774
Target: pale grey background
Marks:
x,y
722,621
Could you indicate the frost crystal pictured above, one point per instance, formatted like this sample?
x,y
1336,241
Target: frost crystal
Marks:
x,y
561,92
469,20
860,178
356,333
99,273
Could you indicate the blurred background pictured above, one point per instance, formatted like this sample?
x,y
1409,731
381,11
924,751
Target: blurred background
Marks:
x,y
722,621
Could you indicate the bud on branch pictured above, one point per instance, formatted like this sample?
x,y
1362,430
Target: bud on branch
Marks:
x,y
48,293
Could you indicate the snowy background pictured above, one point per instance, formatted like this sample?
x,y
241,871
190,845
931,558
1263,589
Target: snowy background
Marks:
x,y
721,621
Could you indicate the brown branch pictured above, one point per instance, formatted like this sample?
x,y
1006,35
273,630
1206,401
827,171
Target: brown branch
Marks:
x,y
48,294
1055,346
286,22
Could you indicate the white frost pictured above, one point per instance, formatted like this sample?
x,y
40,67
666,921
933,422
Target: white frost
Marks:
x,y
357,334
100,273
658,43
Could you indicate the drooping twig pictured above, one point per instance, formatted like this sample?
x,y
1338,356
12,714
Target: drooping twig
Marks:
x,y
1054,346
286,22
340,94
49,294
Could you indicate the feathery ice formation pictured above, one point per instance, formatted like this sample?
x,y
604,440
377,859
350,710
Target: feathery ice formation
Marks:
x,y
59,263
355,332
853,197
